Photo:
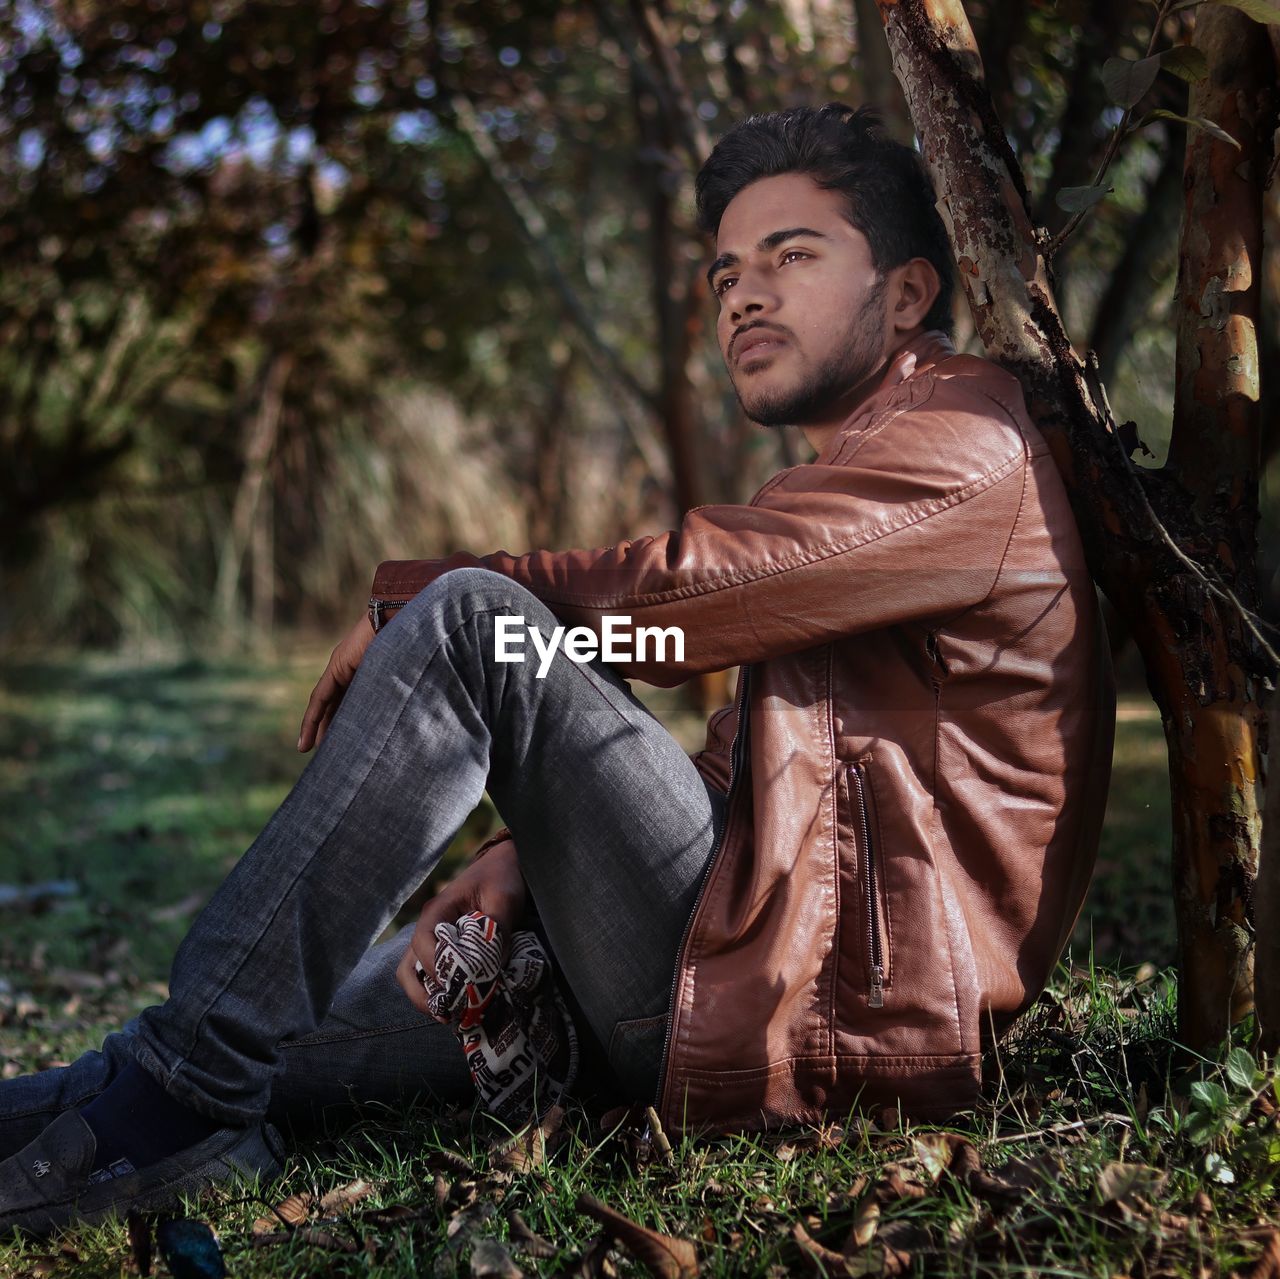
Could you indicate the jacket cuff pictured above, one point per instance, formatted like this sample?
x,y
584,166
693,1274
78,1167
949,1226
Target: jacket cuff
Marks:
x,y
395,583
498,837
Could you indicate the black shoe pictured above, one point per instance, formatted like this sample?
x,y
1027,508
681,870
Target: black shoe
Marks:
x,y
52,1181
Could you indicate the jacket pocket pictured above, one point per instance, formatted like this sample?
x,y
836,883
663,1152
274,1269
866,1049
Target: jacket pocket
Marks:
x,y
860,833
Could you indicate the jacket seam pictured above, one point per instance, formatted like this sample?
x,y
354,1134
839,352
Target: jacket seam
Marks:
x,y
1013,528
833,811
828,550
888,414
957,1060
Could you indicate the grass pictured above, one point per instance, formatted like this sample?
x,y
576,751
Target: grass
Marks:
x,y
1097,1151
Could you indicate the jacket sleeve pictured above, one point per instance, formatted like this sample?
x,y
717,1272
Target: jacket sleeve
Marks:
x,y
850,543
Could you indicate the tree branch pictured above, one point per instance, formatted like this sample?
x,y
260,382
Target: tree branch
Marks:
x,y
534,228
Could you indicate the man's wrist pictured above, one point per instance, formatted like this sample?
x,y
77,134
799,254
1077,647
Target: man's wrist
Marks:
x,y
499,837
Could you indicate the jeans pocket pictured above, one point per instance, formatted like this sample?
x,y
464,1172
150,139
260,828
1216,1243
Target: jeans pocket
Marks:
x,y
635,1054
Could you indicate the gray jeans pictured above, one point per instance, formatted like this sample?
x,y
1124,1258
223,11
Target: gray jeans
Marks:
x,y
278,1001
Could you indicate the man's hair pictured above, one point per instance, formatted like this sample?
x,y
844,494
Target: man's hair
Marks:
x,y
887,192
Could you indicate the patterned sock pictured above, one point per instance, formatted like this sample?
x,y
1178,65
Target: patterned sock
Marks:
x,y
137,1123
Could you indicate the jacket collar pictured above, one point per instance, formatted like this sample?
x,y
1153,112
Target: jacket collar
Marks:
x,y
914,357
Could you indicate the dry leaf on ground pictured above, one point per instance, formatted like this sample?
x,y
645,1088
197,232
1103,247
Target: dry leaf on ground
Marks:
x,y
865,1224
594,1263
451,1161
292,1212
1129,1186
491,1260
661,1255
1268,1265
895,1183
827,1261
533,1144
341,1200
527,1239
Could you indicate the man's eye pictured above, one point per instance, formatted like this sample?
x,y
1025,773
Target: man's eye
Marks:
x,y
724,283
794,253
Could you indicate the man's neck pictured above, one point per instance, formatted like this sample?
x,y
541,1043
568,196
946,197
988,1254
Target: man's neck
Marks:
x,y
818,434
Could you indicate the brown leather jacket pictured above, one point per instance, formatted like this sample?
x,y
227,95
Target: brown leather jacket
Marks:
x,y
917,784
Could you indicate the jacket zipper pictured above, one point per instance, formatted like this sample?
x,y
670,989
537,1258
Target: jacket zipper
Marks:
x,y
735,764
876,997
379,607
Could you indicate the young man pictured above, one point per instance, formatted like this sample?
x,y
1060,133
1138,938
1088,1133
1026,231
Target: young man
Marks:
x,y
868,872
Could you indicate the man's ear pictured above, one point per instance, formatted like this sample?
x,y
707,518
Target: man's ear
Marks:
x,y
914,288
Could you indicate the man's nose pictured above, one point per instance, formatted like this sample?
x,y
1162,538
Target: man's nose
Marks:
x,y
751,296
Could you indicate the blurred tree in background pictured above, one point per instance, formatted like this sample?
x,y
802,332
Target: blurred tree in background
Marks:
x,y
286,289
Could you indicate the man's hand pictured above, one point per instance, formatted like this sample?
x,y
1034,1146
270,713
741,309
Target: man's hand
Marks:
x,y
492,884
328,693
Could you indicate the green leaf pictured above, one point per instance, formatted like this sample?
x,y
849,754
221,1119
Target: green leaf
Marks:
x,y
1200,1129
1218,1169
1259,10
1241,1068
1192,121
1210,1095
1127,81
1185,62
1077,199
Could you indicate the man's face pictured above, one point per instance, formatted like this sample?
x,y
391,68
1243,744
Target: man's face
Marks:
x,y
803,314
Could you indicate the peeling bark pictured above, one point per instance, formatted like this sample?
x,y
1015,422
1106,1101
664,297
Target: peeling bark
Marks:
x,y
1154,545
1214,721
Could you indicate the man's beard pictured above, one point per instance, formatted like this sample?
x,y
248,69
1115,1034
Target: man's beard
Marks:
x,y
848,365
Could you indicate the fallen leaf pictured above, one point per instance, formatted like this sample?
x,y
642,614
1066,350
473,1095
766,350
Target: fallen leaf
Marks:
x,y
490,1260
1122,1183
1268,1265
661,1255
894,1185
594,1262
935,1151
462,1225
270,1238
341,1200
827,1261
291,1212
326,1239
864,1227
529,1241
954,1153
451,1161
392,1215
533,1144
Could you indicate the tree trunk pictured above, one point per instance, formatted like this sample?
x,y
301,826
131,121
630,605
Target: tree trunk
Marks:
x,y
1143,531
1267,907
1213,715
260,442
